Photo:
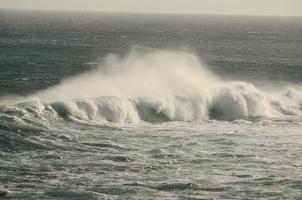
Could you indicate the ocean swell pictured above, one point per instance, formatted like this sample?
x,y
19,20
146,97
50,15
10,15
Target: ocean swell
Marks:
x,y
151,86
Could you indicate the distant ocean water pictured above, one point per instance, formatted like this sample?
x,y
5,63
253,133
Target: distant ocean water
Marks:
x,y
145,106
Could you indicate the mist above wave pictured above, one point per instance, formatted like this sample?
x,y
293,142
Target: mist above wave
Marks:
x,y
162,85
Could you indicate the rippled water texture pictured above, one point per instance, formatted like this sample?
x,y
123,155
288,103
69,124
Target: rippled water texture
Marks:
x,y
129,106
174,160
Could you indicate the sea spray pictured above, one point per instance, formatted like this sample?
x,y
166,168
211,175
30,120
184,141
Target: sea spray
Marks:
x,y
160,85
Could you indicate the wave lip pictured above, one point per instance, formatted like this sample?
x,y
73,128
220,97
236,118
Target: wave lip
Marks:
x,y
235,100
110,109
154,86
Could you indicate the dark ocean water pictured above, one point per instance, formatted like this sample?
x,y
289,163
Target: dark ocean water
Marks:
x,y
149,106
36,44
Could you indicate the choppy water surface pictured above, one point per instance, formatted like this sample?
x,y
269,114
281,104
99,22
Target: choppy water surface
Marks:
x,y
174,160
110,106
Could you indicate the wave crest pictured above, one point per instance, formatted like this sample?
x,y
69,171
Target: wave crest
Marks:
x,y
155,86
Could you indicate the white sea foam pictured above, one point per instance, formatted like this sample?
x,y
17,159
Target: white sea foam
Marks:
x,y
163,84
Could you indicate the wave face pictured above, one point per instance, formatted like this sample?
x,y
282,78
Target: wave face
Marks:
x,y
152,86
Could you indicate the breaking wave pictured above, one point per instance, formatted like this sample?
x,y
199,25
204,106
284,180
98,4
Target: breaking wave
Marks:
x,y
152,86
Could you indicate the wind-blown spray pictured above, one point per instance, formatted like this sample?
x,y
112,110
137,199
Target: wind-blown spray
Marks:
x,y
162,85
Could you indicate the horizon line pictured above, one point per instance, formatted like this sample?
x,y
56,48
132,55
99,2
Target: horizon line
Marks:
x,y
138,12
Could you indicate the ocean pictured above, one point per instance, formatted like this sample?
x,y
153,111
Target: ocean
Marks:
x,y
149,106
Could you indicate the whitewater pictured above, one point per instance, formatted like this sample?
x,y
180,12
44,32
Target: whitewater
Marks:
x,y
162,124
128,106
157,86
